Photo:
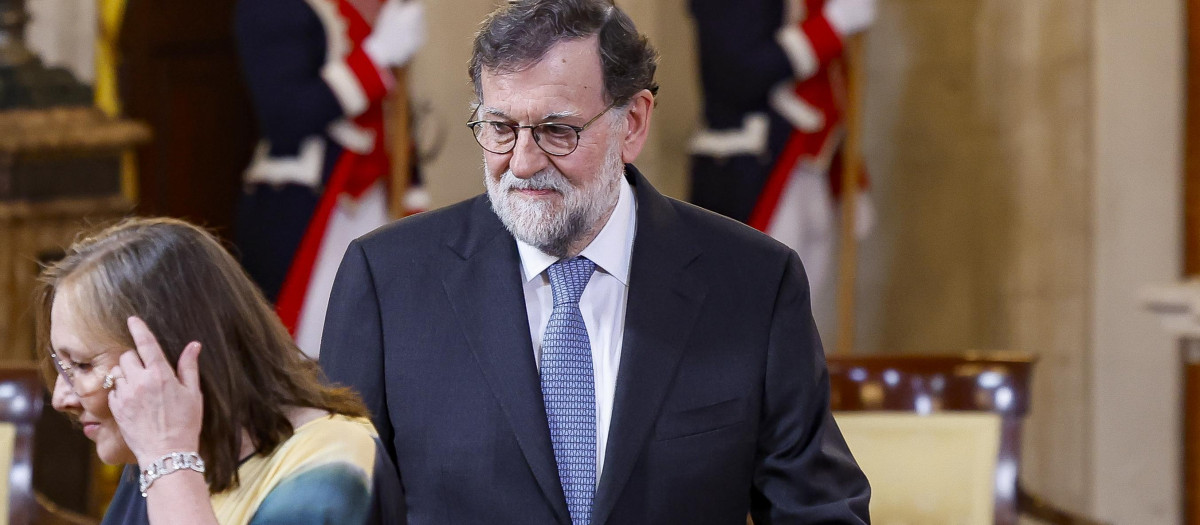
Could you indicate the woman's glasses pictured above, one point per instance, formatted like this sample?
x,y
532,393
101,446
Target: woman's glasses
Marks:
x,y
85,379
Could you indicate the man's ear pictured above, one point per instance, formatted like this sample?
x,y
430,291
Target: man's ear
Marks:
x,y
637,125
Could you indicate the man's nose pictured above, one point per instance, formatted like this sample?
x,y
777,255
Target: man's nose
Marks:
x,y
527,157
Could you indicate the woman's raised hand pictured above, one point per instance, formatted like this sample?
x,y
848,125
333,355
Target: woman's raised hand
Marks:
x,y
158,411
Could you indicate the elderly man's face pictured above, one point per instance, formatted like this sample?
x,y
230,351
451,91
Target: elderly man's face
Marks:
x,y
555,202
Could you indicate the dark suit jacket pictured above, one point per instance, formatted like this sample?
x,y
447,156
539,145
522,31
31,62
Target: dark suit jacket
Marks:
x,y
722,398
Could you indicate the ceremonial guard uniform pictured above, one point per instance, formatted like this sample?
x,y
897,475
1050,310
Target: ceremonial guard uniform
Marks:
x,y
318,176
774,85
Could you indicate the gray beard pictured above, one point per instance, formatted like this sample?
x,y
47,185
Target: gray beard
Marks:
x,y
555,228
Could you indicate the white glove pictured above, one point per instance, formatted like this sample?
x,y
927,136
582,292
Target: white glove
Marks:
x,y
850,16
399,32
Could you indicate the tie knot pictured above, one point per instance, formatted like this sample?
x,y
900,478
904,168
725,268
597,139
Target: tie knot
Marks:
x,y
568,278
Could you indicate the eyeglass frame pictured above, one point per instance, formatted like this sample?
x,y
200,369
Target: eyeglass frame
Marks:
x,y
64,371
516,129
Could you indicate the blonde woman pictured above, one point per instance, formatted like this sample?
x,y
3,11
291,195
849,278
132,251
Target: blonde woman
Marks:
x,y
172,362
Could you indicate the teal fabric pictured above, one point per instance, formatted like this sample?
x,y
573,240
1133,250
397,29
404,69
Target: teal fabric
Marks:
x,y
331,494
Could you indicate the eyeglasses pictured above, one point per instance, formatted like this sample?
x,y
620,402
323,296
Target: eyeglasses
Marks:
x,y
552,137
85,379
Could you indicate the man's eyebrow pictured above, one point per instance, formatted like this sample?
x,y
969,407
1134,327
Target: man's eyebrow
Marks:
x,y
549,117
495,112
559,115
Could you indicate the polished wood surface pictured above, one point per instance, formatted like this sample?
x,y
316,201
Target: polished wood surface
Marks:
x,y
1190,407
1191,213
180,74
847,269
993,382
59,171
49,513
32,233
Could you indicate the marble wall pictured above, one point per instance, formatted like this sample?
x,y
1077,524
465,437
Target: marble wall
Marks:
x,y
441,92
977,132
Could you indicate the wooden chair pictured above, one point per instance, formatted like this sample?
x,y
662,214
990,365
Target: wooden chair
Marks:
x,y
21,402
21,394
49,513
940,436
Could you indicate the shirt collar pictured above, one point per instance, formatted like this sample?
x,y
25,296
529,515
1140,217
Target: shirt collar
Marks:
x,y
611,250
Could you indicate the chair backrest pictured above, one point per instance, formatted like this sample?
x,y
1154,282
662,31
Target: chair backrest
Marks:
x,y
935,433
21,398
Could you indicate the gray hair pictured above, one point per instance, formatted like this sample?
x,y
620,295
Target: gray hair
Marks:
x,y
517,36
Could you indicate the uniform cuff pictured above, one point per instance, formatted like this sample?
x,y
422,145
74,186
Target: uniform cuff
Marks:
x,y
356,82
809,45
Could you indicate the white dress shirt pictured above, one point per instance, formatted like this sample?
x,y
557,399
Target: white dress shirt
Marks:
x,y
602,304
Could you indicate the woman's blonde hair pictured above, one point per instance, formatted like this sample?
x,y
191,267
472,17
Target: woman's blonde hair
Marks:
x,y
187,287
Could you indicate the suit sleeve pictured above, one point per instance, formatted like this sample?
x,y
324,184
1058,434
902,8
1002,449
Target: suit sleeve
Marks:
x,y
804,471
746,49
297,90
352,342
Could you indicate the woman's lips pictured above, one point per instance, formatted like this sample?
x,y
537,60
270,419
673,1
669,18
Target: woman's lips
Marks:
x,y
90,430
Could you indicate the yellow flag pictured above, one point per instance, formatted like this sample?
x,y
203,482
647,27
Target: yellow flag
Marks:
x,y
112,13
107,94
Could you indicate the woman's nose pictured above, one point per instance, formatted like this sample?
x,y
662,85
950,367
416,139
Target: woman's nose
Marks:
x,y
64,398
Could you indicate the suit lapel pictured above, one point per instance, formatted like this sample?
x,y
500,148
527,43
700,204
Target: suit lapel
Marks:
x,y
485,291
664,300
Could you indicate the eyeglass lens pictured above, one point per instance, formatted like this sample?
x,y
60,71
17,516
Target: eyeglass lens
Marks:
x,y
85,379
555,139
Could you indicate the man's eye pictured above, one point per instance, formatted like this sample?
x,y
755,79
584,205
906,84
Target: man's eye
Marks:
x,y
558,131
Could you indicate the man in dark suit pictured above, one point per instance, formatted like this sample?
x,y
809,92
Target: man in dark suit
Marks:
x,y
573,347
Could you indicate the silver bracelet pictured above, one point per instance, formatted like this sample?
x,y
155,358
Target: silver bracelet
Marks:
x,y
168,464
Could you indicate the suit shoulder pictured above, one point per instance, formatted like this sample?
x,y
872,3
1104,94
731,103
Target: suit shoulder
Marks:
x,y
423,229
721,234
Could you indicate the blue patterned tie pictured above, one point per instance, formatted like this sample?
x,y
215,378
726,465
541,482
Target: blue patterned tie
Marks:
x,y
568,387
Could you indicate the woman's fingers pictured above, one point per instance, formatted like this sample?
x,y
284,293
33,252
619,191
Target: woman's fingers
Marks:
x,y
116,403
114,373
189,366
157,410
146,343
130,363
